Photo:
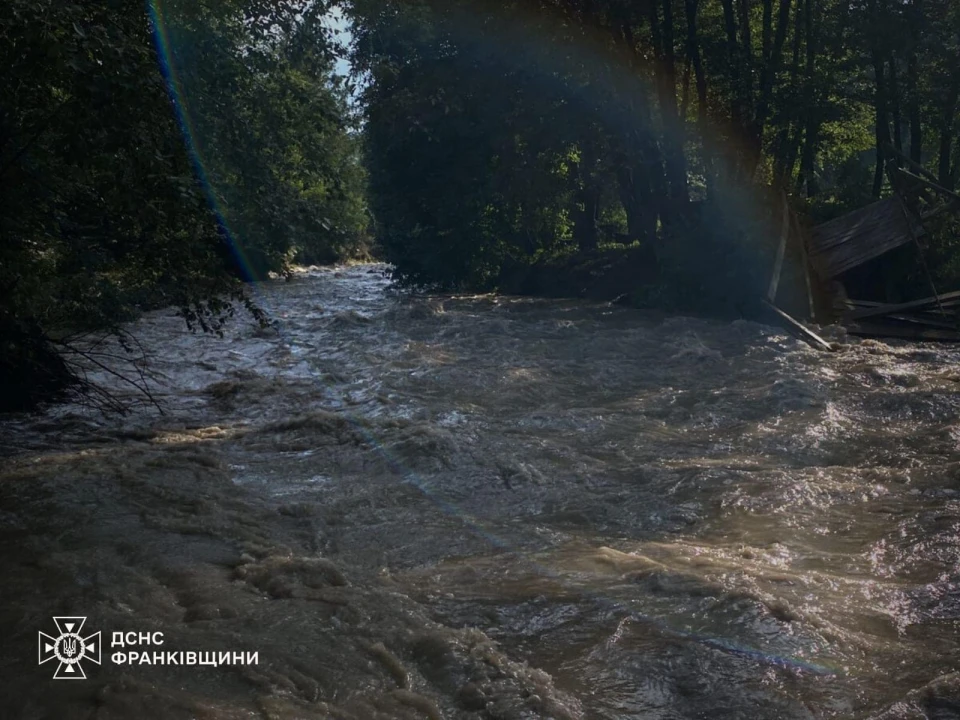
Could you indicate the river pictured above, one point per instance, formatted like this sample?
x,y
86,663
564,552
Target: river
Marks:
x,y
495,507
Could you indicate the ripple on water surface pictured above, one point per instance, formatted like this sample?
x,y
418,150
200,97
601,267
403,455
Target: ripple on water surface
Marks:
x,y
664,517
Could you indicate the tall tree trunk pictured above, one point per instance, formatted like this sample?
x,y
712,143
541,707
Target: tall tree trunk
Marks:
x,y
915,18
636,197
948,122
879,18
772,60
685,92
955,173
881,123
812,118
913,111
893,104
675,161
588,199
693,53
644,157
785,149
766,30
733,57
585,220
746,49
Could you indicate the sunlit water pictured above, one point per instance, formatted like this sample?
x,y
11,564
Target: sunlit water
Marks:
x,y
669,517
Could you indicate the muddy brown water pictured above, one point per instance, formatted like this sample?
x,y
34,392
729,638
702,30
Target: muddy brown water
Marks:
x,y
496,507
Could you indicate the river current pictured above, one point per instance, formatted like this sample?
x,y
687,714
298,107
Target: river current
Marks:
x,y
495,507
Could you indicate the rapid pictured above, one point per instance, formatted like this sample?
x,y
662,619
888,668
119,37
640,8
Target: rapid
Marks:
x,y
417,506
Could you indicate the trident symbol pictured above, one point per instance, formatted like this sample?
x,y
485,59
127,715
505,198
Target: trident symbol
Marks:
x,y
69,647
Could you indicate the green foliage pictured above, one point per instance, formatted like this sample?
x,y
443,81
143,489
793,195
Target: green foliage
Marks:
x,y
455,188
503,134
270,127
106,209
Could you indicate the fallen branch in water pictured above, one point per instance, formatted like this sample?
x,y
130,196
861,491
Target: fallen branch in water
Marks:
x,y
80,358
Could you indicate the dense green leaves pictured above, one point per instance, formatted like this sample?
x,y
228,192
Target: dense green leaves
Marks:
x,y
126,187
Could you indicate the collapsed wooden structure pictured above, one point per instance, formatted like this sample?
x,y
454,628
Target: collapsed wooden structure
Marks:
x,y
867,248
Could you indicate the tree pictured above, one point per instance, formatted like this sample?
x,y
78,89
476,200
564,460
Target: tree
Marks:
x,y
126,186
584,102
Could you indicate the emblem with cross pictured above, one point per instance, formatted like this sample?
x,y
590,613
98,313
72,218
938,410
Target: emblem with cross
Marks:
x,y
69,647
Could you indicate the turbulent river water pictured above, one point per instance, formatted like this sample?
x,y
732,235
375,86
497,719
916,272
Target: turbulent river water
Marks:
x,y
495,507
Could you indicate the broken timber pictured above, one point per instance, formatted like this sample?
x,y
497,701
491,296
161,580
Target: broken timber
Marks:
x,y
834,248
799,329
922,316
854,253
919,332
951,299
852,239
932,318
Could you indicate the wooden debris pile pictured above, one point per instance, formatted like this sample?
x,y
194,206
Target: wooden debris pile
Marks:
x,y
871,240
931,318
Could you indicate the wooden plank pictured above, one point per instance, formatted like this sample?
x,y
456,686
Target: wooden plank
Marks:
x,y
945,300
854,304
922,318
892,150
854,239
925,321
926,314
923,258
850,303
781,251
857,222
950,207
934,319
800,330
875,329
848,257
937,187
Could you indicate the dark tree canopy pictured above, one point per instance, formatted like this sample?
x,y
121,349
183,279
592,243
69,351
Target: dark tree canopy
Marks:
x,y
509,132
